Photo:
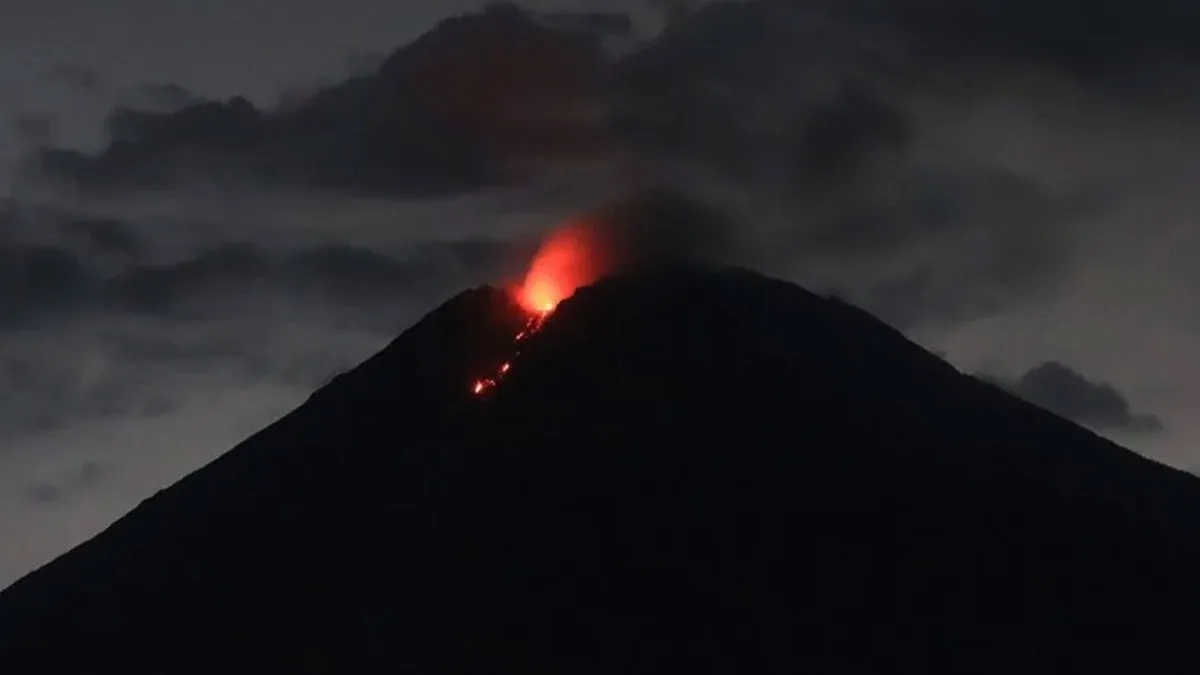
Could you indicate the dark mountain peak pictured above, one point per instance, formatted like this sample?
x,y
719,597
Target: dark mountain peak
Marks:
x,y
684,469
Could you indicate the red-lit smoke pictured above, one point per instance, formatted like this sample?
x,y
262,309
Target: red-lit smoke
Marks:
x,y
570,257
649,228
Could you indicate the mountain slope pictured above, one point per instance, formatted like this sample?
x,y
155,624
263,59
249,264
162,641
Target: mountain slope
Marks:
x,y
686,469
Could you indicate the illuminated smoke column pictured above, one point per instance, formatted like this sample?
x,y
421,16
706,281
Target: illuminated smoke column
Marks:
x,y
572,256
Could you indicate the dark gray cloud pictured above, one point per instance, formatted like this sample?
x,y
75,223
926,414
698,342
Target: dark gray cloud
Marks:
x,y
444,113
1082,38
91,331
66,483
836,82
614,24
39,280
364,63
103,235
1063,391
331,143
932,201
225,270
36,129
452,109
344,275
44,391
935,246
55,265
840,137
977,241
77,76
1087,38
856,132
350,272
660,225
159,97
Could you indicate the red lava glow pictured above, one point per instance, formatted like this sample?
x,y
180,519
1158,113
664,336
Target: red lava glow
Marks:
x,y
569,258
485,384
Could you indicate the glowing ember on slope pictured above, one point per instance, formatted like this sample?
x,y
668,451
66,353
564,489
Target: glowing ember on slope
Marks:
x,y
533,325
567,259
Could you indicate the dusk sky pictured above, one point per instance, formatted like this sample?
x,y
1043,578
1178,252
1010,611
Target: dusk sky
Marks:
x,y
1013,191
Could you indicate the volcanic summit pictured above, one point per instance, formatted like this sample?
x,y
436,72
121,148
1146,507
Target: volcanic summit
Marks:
x,y
687,469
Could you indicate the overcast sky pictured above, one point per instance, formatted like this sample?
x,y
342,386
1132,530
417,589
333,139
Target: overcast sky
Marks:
x,y
1030,200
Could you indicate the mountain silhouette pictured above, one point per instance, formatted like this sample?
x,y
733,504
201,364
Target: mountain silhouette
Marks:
x,y
686,470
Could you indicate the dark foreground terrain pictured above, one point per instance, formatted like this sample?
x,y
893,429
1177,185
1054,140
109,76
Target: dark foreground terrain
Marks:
x,y
687,471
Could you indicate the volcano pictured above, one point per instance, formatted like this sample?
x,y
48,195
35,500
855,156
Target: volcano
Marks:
x,y
687,470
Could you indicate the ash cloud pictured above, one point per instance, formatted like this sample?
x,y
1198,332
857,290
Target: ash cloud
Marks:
x,y
1065,392
864,155
103,236
336,275
158,97
34,129
444,114
660,225
48,280
78,77
40,280
1088,39
453,109
842,136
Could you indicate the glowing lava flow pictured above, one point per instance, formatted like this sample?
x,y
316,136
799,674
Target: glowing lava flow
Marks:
x,y
567,260
534,324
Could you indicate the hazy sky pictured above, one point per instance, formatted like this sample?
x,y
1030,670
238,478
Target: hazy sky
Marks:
x,y
1029,200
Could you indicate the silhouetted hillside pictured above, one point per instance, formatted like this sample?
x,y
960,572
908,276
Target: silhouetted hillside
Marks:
x,y
685,471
